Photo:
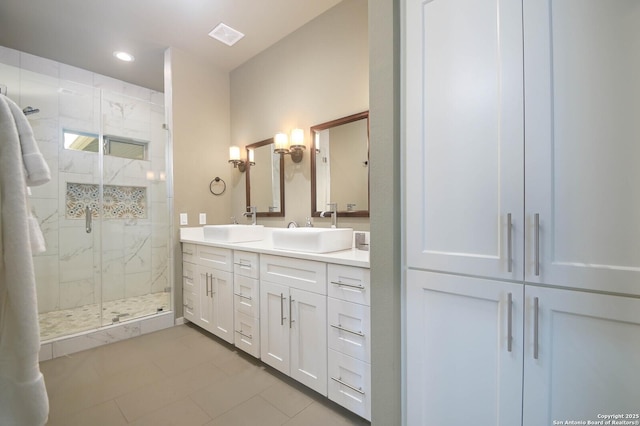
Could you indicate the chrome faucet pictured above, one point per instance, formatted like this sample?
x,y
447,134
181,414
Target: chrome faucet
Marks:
x,y
333,212
252,211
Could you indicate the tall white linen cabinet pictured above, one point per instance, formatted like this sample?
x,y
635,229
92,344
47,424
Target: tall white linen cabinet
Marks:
x,y
522,210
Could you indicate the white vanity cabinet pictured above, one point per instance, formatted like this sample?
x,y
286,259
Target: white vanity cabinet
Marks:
x,y
246,301
208,288
293,318
349,338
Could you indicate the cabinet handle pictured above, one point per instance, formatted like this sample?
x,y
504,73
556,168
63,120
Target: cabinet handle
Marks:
x,y
341,284
535,327
359,390
206,281
536,225
243,265
248,336
281,309
189,252
290,311
509,321
243,296
339,327
88,217
509,243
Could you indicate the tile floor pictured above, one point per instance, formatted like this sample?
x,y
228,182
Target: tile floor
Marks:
x,y
179,376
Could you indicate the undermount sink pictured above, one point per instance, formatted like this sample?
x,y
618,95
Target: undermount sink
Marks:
x,y
233,233
313,240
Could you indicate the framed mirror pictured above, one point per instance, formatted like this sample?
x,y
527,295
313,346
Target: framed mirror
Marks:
x,y
340,165
265,179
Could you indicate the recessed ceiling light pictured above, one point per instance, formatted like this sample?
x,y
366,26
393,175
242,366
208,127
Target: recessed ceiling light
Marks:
x,y
124,56
226,34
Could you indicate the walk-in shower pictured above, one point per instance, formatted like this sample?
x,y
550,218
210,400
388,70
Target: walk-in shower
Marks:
x,y
105,215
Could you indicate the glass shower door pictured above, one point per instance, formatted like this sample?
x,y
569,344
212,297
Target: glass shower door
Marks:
x,y
134,210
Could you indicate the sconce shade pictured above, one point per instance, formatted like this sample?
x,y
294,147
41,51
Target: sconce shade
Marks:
x,y
251,157
297,139
234,157
234,153
281,142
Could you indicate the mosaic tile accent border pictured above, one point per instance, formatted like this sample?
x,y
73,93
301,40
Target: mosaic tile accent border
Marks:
x,y
120,202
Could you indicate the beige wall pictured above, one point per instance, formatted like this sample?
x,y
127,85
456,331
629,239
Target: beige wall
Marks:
x,y
197,100
316,74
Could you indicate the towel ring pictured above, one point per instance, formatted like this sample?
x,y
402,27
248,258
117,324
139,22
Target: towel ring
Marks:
x,y
215,181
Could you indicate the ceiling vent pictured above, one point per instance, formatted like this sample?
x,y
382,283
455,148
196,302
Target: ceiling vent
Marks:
x,y
226,34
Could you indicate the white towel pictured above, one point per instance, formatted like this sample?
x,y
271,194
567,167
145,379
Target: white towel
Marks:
x,y
23,396
37,170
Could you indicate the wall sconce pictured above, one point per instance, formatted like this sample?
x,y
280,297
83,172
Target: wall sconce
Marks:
x,y
234,157
297,147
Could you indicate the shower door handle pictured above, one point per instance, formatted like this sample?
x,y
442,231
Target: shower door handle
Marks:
x,y
87,219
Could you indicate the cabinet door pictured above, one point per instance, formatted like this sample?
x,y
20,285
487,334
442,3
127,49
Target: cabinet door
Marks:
x,y
460,368
274,325
222,284
190,291
582,85
308,328
204,305
587,360
464,136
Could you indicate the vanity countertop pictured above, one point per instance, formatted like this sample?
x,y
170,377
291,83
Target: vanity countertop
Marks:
x,y
352,257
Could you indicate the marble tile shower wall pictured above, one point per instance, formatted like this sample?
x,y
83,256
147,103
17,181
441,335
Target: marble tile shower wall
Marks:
x,y
122,257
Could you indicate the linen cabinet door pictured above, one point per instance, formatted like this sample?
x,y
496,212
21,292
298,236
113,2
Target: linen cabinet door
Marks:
x,y
464,350
585,361
582,85
464,136
274,325
309,339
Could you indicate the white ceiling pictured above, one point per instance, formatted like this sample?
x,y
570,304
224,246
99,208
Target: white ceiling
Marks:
x,y
84,33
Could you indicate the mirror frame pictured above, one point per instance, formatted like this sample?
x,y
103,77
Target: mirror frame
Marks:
x,y
248,180
329,124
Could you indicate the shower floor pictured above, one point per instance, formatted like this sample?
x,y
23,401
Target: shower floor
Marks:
x,y
69,321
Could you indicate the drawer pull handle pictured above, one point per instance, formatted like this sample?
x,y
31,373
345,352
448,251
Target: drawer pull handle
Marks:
x,y
248,336
359,390
339,327
243,296
341,284
243,265
189,252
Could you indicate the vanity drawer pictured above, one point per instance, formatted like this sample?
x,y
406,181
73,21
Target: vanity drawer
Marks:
x,y
247,334
188,252
214,257
246,264
349,328
246,295
350,383
306,275
349,283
